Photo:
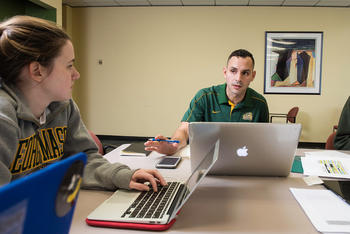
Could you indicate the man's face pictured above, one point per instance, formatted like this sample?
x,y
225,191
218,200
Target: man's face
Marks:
x,y
238,74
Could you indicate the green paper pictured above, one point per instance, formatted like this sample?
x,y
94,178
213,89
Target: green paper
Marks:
x,y
297,166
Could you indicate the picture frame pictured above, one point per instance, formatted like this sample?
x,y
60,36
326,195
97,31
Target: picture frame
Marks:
x,y
293,62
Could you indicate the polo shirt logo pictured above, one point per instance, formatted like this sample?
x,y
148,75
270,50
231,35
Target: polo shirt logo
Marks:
x,y
248,116
215,112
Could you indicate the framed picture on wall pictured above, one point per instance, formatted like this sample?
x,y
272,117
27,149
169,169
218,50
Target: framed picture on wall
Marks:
x,y
293,62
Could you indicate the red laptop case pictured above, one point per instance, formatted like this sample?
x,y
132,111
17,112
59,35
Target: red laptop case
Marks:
x,y
138,226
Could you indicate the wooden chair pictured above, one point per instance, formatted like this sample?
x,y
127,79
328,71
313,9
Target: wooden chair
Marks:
x,y
335,127
290,116
330,141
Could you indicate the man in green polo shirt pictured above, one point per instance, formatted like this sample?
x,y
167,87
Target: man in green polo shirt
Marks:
x,y
233,101
342,137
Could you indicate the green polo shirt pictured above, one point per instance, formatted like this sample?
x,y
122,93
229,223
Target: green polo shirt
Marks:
x,y
211,105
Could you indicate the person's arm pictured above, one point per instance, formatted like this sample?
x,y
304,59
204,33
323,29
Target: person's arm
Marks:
x,y
8,144
194,113
99,173
342,138
265,114
181,135
263,109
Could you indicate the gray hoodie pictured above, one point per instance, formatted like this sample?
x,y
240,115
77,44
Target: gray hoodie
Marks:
x,y
26,145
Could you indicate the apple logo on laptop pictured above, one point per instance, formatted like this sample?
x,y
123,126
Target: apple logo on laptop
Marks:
x,y
242,152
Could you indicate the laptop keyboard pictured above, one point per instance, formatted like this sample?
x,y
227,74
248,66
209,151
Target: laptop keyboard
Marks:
x,y
150,204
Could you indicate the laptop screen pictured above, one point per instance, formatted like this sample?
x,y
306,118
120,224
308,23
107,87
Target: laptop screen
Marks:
x,y
197,175
42,202
245,148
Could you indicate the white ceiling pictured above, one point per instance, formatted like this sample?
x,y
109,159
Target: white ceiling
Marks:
x,y
287,3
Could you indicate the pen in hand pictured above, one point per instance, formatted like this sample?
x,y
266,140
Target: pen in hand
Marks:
x,y
169,141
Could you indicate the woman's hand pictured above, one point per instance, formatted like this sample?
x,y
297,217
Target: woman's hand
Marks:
x,y
142,175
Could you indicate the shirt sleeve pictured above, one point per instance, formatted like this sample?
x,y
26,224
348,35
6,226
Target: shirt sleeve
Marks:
x,y
195,112
8,144
264,113
342,137
98,173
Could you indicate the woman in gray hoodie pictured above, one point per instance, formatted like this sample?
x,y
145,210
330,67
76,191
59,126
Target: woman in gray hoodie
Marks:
x,y
39,122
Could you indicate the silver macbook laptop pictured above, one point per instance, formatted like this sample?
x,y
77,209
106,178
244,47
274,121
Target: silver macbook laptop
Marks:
x,y
253,149
136,208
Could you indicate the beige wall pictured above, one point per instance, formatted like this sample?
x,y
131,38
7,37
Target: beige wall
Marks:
x,y
156,58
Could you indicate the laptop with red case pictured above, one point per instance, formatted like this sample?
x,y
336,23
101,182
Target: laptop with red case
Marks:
x,y
140,210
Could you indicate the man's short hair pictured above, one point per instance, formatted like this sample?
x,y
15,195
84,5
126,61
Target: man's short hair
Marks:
x,y
241,53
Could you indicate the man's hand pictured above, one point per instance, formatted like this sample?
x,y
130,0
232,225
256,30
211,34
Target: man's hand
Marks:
x,y
142,175
162,147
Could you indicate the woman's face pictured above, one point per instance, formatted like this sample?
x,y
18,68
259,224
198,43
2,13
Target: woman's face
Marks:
x,y
58,83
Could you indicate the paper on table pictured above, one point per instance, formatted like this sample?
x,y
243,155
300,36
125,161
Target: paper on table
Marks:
x,y
312,180
327,153
328,163
326,211
184,152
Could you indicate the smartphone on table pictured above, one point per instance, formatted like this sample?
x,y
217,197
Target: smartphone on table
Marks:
x,y
169,162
